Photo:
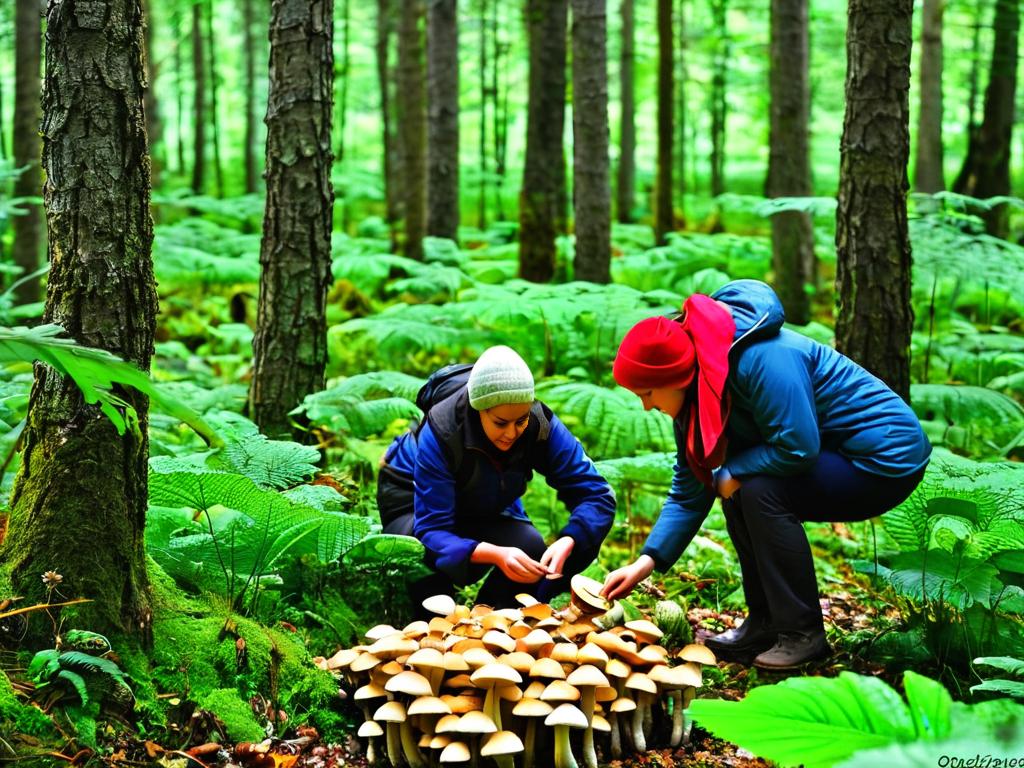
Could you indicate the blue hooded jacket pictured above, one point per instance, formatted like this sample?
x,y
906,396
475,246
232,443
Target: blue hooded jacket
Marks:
x,y
791,398
490,482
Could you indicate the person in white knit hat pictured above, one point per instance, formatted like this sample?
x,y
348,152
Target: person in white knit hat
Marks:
x,y
455,481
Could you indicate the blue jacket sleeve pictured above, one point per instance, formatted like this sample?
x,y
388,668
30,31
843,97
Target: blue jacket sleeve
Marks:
x,y
434,509
586,494
774,380
682,515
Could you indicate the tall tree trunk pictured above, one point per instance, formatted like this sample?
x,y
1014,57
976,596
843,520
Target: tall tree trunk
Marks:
x,y
443,123
391,159
198,103
28,232
681,124
542,198
218,168
412,122
663,220
481,211
873,248
81,482
499,111
290,346
789,170
986,169
928,165
249,150
344,71
592,199
719,67
179,82
626,182
154,125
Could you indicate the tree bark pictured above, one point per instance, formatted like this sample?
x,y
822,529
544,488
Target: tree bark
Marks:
x,y
481,203
443,122
179,82
681,125
344,71
663,219
626,183
412,125
79,502
198,103
391,157
542,198
249,149
591,195
789,171
873,248
290,345
26,146
218,167
928,165
986,169
719,67
499,112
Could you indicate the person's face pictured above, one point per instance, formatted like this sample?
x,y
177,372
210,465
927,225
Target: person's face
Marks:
x,y
668,401
504,424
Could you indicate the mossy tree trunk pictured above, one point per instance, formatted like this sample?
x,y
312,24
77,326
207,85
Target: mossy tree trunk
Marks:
x,y
290,346
666,96
28,230
542,198
79,502
789,169
873,248
624,187
412,126
443,120
591,195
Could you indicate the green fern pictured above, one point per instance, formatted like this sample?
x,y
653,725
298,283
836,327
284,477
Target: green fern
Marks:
x,y
363,405
653,469
972,420
76,681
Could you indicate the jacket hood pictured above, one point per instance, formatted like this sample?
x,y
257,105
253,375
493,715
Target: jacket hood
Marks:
x,y
755,307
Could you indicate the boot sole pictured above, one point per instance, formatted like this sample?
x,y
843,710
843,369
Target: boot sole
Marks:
x,y
786,667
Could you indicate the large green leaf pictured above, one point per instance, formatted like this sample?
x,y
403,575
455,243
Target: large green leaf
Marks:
x,y
936,574
974,420
365,404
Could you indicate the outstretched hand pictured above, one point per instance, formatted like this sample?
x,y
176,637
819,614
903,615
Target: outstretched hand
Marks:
x,y
554,557
621,581
519,566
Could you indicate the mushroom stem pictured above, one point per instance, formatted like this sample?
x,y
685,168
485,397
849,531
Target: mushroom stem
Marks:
x,y
492,706
563,750
531,736
676,697
394,745
409,746
616,741
637,731
688,696
648,722
587,705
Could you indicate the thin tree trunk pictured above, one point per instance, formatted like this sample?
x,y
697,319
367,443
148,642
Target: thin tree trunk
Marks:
x,y
873,248
681,124
928,166
592,208
412,121
443,123
542,198
986,169
198,103
179,81
663,219
290,345
499,113
481,210
154,124
79,502
346,65
249,150
789,170
391,157
719,67
28,228
627,129
218,168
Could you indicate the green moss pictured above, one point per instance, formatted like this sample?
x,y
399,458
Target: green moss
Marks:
x,y
236,714
15,717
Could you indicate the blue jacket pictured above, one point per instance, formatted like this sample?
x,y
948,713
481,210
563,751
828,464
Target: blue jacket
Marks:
x,y
791,398
490,482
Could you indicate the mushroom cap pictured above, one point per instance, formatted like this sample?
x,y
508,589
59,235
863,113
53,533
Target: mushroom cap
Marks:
x,y
370,691
475,722
390,712
495,674
459,681
536,641
605,693
534,689
537,611
478,657
547,668
588,591
623,704
428,658
646,630
369,728
379,631
342,659
567,714
460,705
455,752
442,605
363,662
446,724
598,723
525,599
495,621
440,741
411,683
592,653
684,676
587,674
520,661
565,652
454,662
501,743
509,692
698,653
416,629
654,654
617,668
638,681
495,639
519,630
428,705
393,645
531,708
559,690
439,626
424,742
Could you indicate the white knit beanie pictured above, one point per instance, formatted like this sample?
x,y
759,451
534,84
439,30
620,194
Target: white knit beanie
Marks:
x,y
499,377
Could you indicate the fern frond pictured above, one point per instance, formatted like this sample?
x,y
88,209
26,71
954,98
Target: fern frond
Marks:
x,y
77,683
974,420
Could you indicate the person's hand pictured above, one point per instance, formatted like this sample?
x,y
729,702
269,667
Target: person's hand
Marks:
x,y
554,557
725,484
513,562
621,581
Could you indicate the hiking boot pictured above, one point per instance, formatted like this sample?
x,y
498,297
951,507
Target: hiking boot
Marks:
x,y
748,639
793,649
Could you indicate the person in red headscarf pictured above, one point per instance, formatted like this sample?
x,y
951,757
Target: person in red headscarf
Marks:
x,y
784,430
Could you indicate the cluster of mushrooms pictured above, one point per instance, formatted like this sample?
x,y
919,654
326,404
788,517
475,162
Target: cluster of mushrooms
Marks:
x,y
476,682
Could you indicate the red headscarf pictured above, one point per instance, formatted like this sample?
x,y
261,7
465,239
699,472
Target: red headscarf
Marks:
x,y
660,353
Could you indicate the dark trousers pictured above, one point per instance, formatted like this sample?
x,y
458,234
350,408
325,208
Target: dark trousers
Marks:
x,y
765,521
498,591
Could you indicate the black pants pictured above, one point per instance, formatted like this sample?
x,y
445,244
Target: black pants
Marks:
x,y
394,500
765,522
